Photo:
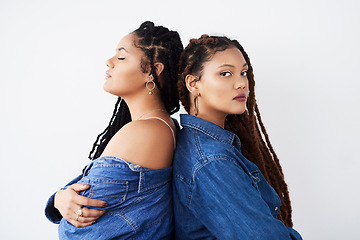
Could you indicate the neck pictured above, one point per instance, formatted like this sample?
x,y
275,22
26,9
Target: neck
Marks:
x,y
207,113
220,121
143,105
215,117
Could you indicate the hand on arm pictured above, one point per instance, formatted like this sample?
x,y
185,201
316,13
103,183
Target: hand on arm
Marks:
x,y
68,201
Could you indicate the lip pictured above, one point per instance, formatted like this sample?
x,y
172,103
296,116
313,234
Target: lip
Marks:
x,y
240,98
107,75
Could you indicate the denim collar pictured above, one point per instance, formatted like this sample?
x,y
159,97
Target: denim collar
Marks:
x,y
211,129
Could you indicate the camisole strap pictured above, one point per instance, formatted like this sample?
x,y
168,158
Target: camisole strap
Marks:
x,y
172,131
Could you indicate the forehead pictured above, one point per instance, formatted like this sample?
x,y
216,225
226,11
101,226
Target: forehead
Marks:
x,y
231,56
127,43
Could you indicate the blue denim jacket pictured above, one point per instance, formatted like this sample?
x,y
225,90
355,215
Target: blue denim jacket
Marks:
x,y
218,193
140,202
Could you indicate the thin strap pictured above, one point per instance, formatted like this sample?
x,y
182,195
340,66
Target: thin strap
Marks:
x,y
172,131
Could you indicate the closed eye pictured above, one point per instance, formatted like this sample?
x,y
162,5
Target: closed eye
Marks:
x,y
121,58
225,74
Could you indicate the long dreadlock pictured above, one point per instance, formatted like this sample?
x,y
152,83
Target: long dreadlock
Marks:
x,y
248,126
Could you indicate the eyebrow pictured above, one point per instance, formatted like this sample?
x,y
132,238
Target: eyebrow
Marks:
x,y
121,48
229,65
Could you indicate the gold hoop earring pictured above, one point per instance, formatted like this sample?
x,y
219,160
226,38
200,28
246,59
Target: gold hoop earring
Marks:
x,y
153,85
196,106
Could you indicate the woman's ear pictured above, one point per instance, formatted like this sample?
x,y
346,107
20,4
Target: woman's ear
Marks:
x,y
192,84
159,68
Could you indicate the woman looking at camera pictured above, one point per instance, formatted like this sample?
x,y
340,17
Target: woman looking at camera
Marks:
x,y
227,180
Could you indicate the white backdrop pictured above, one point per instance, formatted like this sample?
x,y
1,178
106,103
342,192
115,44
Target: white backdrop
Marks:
x,y
305,56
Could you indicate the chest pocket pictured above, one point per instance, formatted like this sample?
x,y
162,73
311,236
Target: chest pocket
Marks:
x,y
255,178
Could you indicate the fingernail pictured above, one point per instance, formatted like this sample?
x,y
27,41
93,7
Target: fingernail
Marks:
x,y
105,205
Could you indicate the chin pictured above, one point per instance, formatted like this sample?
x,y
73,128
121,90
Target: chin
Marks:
x,y
112,92
107,89
237,111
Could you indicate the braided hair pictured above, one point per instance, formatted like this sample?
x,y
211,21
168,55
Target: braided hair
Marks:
x,y
158,44
247,126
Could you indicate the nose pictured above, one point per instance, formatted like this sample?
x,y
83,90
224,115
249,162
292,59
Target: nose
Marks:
x,y
241,82
109,63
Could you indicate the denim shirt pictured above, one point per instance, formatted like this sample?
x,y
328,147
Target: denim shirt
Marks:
x,y
218,193
139,199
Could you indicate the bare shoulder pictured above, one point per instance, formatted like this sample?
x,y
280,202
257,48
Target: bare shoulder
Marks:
x,y
151,131
148,143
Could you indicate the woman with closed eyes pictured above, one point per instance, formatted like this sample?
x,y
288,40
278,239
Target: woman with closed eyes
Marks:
x,y
125,192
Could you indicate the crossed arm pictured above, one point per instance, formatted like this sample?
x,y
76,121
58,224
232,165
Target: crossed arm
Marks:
x,y
65,202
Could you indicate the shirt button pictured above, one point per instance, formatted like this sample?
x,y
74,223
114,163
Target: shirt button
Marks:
x,y
276,208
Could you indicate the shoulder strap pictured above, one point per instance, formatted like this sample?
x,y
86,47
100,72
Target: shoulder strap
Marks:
x,y
172,131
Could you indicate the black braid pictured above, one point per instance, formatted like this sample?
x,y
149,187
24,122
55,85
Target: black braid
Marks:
x,y
161,44
121,116
158,44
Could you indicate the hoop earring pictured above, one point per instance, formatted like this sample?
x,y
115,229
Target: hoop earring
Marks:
x,y
196,106
153,85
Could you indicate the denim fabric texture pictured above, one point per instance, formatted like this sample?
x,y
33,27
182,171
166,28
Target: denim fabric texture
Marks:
x,y
51,213
140,202
218,193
